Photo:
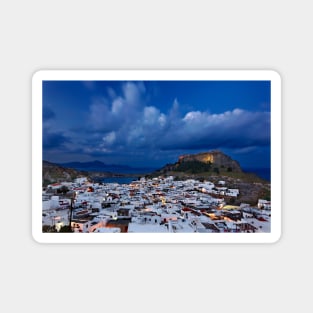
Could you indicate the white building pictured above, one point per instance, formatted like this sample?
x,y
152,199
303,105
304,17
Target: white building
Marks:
x,y
80,180
264,204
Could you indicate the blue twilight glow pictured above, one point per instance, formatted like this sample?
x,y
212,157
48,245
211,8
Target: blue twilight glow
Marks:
x,y
151,123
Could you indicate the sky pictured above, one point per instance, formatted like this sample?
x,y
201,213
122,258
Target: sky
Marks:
x,y
152,123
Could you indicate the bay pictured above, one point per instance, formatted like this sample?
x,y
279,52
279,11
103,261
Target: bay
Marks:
x,y
118,180
264,173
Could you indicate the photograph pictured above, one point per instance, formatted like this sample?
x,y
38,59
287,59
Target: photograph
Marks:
x,y
156,156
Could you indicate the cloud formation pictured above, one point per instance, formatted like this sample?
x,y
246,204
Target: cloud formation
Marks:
x,y
52,137
127,123
124,122
47,114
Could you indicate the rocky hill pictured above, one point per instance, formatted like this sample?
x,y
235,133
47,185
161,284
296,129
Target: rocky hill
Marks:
x,y
52,173
216,159
214,162
207,165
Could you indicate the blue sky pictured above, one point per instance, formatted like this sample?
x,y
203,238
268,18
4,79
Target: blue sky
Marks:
x,y
151,123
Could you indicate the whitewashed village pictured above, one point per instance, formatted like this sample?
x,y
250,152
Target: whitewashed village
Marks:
x,y
156,205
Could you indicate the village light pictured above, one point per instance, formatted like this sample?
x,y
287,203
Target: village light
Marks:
x,y
114,216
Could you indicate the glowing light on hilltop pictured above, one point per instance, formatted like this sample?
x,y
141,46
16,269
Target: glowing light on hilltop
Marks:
x,y
209,158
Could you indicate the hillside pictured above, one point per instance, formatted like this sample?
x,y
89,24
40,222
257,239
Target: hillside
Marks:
x,y
205,164
52,173
216,166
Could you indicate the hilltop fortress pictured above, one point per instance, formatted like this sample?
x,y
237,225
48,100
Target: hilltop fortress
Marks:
x,y
214,157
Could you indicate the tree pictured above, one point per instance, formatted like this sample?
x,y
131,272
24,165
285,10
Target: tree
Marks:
x,y
66,229
48,229
231,200
63,190
216,170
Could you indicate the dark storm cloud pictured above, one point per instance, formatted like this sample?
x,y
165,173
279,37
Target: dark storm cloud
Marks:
x,y
232,129
54,140
125,126
47,114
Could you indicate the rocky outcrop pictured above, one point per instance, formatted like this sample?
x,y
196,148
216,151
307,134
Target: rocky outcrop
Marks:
x,y
216,158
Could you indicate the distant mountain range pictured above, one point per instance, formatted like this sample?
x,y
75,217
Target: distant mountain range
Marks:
x,y
98,166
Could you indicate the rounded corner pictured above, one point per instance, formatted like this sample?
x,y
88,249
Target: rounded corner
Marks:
x,y
276,75
276,238
37,75
36,237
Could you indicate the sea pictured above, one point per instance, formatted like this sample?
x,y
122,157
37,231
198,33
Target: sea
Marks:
x,y
119,180
264,173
